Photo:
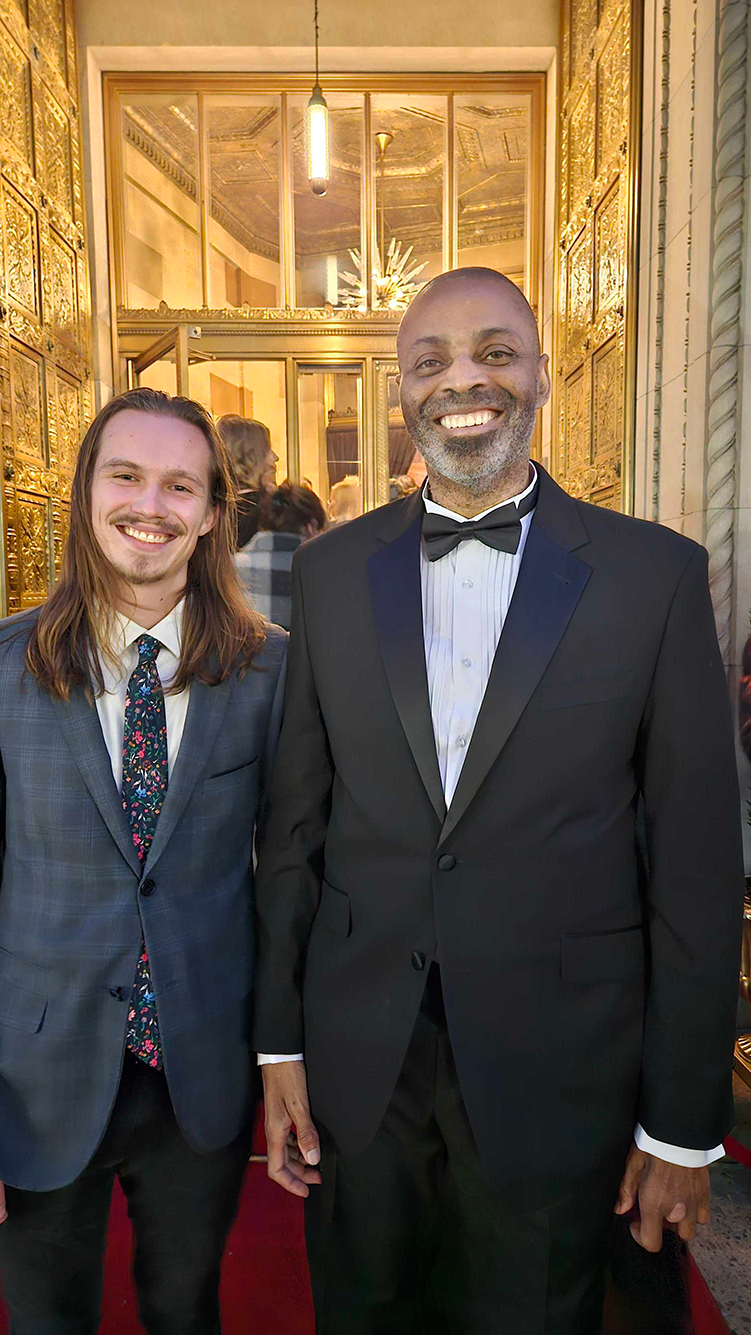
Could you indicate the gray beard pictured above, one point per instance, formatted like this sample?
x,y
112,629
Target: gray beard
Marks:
x,y
474,462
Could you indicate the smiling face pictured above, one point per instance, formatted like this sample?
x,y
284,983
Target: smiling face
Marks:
x,y
472,377
151,500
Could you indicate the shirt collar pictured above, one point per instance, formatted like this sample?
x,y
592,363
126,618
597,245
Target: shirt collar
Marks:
x,y
433,508
168,631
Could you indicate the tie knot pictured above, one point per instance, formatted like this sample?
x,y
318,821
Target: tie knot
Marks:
x,y
148,648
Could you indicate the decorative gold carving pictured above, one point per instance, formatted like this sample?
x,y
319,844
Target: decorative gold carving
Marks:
x,y
62,264
33,532
15,96
581,149
612,84
48,20
608,252
583,22
66,410
57,153
22,253
595,241
26,403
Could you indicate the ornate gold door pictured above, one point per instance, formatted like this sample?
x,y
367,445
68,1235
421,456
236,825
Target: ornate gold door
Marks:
x,y
595,308
45,394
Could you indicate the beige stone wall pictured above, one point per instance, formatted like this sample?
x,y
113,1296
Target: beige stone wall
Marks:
x,y
693,431
344,23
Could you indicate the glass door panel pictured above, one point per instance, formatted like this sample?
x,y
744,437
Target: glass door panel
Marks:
x,y
330,432
328,227
244,148
250,388
409,157
162,250
492,149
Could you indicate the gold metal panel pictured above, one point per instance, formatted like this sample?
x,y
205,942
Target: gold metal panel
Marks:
x,y
33,548
21,245
595,310
62,316
45,338
48,22
15,96
26,400
57,152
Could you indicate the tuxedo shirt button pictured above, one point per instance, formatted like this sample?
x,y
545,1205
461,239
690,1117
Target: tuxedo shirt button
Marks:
x,y
468,584
446,862
148,887
418,960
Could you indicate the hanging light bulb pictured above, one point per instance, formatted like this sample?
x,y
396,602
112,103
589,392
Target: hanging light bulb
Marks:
x,y
317,131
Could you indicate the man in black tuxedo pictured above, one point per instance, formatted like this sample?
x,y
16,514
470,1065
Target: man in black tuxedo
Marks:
x,y
507,1000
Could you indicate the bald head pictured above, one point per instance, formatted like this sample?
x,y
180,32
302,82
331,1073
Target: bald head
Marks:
x,y
472,378
453,290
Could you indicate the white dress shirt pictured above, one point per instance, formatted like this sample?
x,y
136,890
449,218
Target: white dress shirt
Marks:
x,y
466,596
111,705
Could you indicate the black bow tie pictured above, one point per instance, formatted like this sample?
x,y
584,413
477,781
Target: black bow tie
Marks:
x,y
502,529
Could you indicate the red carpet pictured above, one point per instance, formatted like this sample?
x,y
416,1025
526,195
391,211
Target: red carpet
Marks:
x,y
265,1286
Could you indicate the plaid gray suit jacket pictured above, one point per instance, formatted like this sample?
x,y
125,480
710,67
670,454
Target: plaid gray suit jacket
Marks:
x,y
72,914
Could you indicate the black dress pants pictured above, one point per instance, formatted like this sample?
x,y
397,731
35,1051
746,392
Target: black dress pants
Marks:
x,y
181,1205
408,1238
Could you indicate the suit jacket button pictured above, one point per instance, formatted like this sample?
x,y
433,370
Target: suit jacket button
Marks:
x,y
418,960
446,862
148,887
117,993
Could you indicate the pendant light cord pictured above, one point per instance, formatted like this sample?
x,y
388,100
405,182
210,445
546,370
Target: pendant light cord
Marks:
x,y
315,23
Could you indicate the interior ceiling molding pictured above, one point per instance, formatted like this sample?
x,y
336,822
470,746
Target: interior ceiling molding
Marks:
x,y
333,59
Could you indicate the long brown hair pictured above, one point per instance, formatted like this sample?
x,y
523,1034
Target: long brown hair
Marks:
x,y
221,634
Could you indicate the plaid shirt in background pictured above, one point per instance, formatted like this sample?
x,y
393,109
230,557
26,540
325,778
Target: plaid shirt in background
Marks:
x,y
264,566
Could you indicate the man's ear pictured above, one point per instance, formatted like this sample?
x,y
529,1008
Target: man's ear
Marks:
x,y
543,380
209,521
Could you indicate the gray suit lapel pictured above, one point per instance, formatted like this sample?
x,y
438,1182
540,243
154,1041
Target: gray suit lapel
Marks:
x,y
206,710
79,722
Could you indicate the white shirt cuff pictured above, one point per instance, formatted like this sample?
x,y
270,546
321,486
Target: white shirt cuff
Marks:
x,y
271,1058
675,1153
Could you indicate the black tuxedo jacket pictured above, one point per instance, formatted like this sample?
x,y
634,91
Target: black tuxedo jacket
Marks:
x,y
589,975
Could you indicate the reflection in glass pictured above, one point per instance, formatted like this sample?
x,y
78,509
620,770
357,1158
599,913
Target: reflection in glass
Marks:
x,y
331,437
160,188
244,155
327,227
492,172
409,155
404,461
250,388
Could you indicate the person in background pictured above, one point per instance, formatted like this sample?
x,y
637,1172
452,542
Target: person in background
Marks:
x,y
287,517
402,486
345,500
249,445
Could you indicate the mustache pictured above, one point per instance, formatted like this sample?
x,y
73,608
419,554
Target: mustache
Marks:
x,y
134,521
466,403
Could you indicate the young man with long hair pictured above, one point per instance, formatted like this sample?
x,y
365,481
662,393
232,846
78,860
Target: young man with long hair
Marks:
x,y
139,708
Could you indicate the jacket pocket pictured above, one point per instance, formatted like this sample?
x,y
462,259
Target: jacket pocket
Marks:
x,y
334,910
603,958
21,1009
565,694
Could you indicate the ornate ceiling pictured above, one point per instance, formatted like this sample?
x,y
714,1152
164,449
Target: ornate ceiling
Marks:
x,y
492,144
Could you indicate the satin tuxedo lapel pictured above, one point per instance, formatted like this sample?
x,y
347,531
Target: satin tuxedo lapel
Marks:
x,y
80,725
550,583
206,710
396,596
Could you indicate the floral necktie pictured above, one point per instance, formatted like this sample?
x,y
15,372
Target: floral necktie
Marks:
x,y
144,786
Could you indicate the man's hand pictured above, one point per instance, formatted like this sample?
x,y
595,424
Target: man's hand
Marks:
x,y
665,1192
291,1139
3,1210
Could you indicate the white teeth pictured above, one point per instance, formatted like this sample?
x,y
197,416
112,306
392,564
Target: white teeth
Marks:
x,y
145,537
455,421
